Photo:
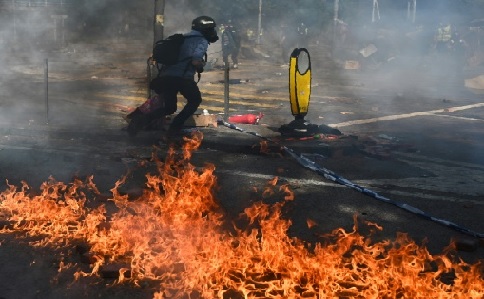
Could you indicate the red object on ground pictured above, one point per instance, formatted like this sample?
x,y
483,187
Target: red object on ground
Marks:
x,y
245,118
151,104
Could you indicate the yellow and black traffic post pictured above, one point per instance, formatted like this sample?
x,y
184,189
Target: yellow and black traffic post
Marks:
x,y
299,96
299,82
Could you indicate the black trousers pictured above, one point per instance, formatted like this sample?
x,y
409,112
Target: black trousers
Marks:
x,y
168,88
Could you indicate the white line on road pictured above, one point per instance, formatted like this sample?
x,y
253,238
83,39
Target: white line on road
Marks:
x,y
270,177
364,183
439,198
462,118
406,115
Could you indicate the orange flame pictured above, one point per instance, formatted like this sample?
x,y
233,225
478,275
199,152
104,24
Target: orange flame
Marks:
x,y
175,234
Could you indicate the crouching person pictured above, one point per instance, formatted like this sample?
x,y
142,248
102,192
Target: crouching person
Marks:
x,y
180,77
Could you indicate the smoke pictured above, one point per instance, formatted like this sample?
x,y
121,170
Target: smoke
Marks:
x,y
86,38
396,48
97,50
72,43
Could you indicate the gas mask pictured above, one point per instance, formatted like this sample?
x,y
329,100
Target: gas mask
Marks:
x,y
210,35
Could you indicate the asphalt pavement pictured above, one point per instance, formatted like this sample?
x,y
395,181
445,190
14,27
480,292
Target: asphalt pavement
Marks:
x,y
408,159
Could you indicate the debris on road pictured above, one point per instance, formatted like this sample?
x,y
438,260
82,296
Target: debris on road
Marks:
x,y
251,119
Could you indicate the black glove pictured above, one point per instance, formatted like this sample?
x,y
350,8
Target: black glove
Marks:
x,y
200,69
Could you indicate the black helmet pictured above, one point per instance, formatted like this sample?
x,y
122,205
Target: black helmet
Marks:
x,y
206,25
203,23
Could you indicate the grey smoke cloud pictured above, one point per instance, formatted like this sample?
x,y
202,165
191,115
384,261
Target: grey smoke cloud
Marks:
x,y
27,34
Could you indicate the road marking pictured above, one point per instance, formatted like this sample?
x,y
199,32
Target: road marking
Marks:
x,y
270,177
461,118
406,115
364,183
440,198
448,177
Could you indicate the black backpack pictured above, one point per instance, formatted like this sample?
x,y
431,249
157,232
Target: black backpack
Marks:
x,y
167,51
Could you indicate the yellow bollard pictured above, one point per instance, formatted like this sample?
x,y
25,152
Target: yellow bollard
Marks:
x,y
299,82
